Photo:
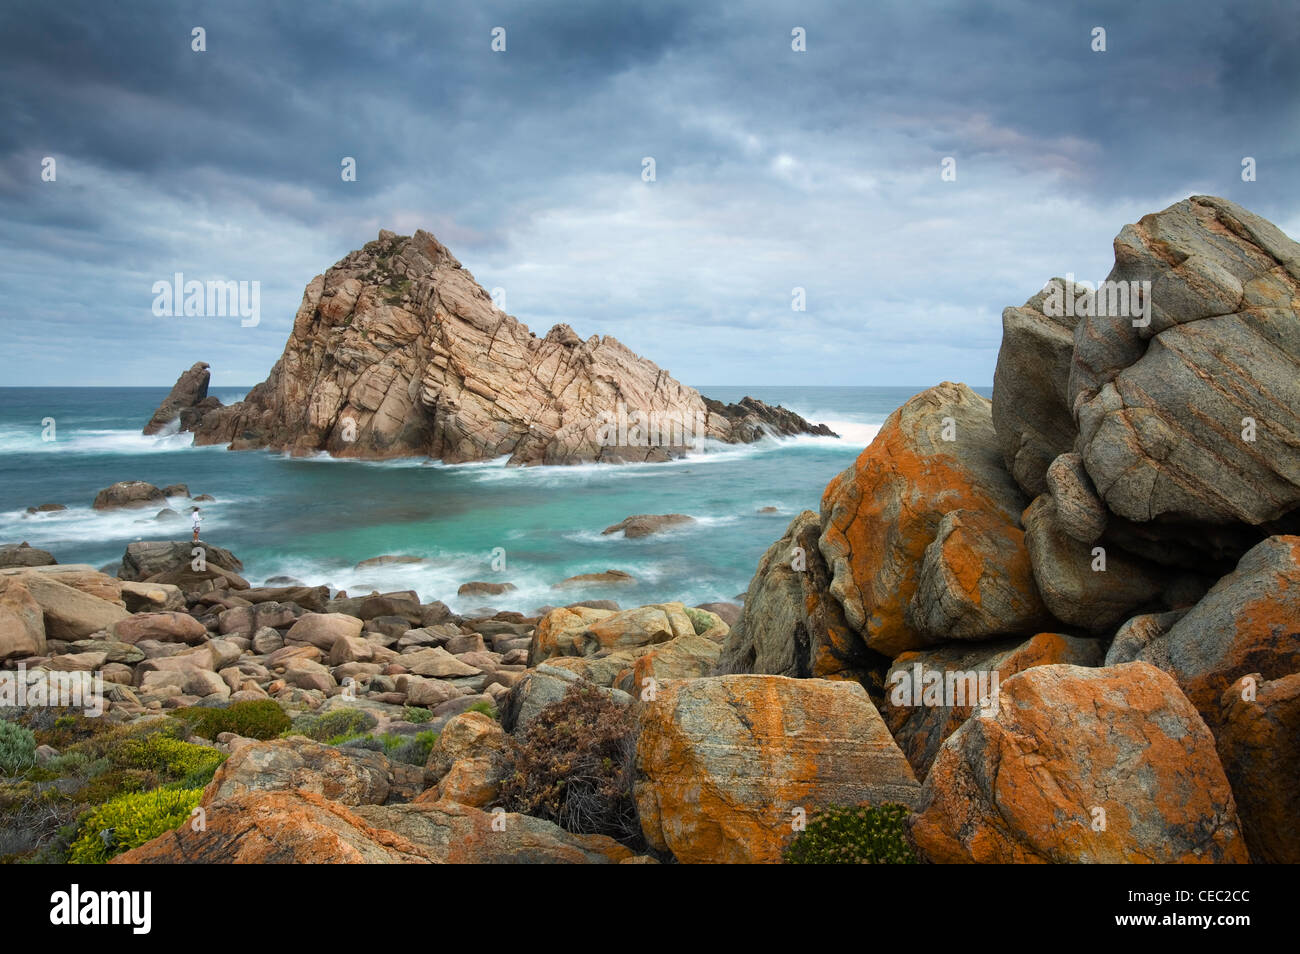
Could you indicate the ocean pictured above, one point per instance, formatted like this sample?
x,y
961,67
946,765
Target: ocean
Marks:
x,y
315,519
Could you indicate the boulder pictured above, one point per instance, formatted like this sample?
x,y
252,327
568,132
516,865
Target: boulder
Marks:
x,y
151,597
722,763
348,649
322,630
1081,765
437,663
389,559
311,598
469,781
465,736
560,632
149,558
1259,745
1137,633
936,454
1071,579
607,668
266,641
1207,375
71,613
24,554
22,622
247,620
129,494
79,576
405,604
1079,510
929,693
644,524
790,625
1031,405
1247,623
606,578
349,776
975,581
169,627
280,827
450,833
645,625
686,657
427,692
481,588
729,613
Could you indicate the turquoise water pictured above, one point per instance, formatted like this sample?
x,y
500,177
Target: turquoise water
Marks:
x,y
315,519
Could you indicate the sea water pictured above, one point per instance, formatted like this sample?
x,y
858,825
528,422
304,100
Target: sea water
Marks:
x,y
315,519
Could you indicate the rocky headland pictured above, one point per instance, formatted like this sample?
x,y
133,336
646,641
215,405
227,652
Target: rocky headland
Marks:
x,y
1059,626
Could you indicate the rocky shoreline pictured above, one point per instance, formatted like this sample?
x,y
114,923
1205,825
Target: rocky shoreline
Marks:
x,y
1059,626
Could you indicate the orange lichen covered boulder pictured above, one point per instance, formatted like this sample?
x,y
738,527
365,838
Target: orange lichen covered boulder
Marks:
x,y
1259,744
1249,622
305,828
936,454
921,715
725,764
1081,765
264,828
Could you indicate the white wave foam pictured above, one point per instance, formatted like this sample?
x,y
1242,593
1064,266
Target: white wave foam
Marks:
x,y
20,440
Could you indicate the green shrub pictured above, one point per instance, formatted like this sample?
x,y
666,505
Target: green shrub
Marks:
x,y
573,766
253,719
115,782
17,748
484,707
416,714
341,724
854,835
170,757
129,821
701,620
413,750
367,742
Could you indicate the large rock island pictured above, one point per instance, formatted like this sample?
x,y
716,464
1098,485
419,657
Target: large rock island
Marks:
x,y
397,351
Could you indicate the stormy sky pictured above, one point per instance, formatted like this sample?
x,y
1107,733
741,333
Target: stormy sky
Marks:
x,y
774,169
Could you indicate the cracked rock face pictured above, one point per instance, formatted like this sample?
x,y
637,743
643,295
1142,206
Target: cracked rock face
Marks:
x,y
1196,415
396,351
1070,746
934,456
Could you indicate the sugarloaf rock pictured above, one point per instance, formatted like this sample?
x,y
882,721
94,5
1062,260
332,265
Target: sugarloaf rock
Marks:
x,y
397,351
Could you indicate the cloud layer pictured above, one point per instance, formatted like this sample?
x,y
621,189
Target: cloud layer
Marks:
x,y
775,169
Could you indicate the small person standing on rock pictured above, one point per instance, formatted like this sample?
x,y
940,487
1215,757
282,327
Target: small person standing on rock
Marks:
x,y
197,521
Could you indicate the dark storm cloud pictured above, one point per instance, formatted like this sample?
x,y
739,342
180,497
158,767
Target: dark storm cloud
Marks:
x,y
775,169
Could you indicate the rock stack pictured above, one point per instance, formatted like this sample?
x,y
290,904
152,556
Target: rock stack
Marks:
x,y
396,351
